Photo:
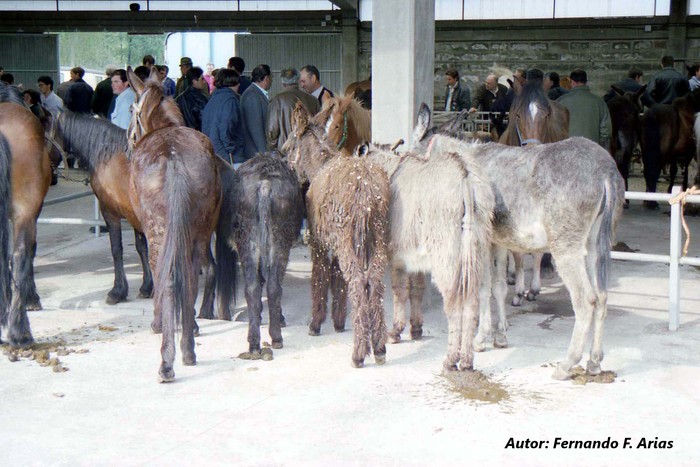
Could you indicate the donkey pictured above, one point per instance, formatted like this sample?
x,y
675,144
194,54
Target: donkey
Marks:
x,y
261,217
347,208
446,231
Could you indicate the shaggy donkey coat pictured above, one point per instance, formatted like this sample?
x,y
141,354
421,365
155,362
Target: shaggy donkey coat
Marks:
x,y
347,207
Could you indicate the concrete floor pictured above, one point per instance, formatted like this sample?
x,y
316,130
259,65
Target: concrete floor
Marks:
x,y
310,407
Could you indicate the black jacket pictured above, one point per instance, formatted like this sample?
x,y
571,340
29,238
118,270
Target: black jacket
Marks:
x,y
191,103
461,99
79,97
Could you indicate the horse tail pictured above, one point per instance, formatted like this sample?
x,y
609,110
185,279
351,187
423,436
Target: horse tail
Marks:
x,y
613,197
264,225
5,206
176,255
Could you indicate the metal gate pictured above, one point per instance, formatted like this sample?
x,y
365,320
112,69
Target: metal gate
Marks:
x,y
281,51
28,56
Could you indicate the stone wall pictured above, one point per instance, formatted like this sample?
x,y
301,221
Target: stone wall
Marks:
x,y
605,48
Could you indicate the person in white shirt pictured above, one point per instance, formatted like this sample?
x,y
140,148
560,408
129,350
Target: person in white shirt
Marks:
x,y
49,99
125,96
310,81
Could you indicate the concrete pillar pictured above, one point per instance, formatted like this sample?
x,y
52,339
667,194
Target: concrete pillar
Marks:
x,y
403,62
349,52
678,19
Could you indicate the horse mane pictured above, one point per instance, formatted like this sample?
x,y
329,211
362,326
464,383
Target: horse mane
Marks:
x,y
357,114
157,110
95,140
9,93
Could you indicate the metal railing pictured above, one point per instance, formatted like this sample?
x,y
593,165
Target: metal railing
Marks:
x,y
477,121
97,222
674,259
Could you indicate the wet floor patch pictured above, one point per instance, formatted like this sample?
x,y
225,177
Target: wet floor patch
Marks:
x,y
475,386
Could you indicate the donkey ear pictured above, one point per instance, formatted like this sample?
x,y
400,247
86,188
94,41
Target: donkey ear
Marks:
x,y
134,81
154,76
423,124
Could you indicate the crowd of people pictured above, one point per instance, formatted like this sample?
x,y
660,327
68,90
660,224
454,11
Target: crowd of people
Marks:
x,y
588,113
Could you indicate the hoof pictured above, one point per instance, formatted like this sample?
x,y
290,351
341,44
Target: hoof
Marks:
x,y
479,344
593,368
189,360
145,293
532,296
314,332
380,359
517,300
500,341
205,315
339,329
448,367
394,337
561,374
277,345
651,205
358,363
22,342
34,306
112,300
464,365
166,375
416,334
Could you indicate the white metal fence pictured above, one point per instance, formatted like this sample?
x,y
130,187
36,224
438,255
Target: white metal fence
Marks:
x,y
97,222
674,259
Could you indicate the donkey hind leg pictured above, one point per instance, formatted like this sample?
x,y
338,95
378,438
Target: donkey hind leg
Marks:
x,y
519,280
320,281
362,326
535,286
253,297
601,306
120,290
339,291
146,290
485,322
274,297
500,290
376,317
206,310
399,286
573,271
416,290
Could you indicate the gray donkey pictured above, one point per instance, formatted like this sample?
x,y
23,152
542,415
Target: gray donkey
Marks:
x,y
563,197
445,230
261,215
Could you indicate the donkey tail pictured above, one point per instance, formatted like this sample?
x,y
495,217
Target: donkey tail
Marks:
x,y
611,205
264,224
5,205
176,255
226,262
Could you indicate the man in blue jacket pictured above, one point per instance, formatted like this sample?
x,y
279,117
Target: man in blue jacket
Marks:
x,y
221,118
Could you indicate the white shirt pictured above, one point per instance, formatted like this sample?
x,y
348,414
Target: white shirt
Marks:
x,y
317,92
448,101
53,103
267,94
122,108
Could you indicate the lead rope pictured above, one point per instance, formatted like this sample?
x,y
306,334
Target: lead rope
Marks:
x,y
344,138
66,169
680,198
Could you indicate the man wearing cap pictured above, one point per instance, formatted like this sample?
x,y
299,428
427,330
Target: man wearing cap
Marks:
x,y
185,65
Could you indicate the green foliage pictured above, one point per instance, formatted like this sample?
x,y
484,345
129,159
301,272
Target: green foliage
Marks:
x,y
96,50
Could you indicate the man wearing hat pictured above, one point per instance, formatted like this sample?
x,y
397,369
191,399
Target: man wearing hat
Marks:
x,y
185,65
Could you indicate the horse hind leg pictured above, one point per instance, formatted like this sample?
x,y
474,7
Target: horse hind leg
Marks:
x,y
146,290
164,301
574,273
339,291
24,251
206,310
120,290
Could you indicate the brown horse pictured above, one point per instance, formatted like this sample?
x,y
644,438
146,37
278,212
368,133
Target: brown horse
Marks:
x,y
347,206
176,195
668,138
361,86
346,122
102,147
30,180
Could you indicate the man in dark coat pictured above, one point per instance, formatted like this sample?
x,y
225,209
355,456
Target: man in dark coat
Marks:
x,y
552,86
457,98
668,84
487,94
102,98
254,103
79,95
238,64
279,118
221,118
192,101
632,83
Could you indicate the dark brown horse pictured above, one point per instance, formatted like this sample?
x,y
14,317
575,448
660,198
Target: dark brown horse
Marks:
x,y
624,109
101,147
668,139
30,179
176,195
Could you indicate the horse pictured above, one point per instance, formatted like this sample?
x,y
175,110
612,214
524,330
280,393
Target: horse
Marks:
x,y
547,200
261,218
625,108
347,207
668,138
101,147
176,195
361,86
346,122
445,231
30,178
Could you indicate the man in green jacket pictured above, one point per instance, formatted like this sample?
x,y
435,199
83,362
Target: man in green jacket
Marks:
x,y
588,114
